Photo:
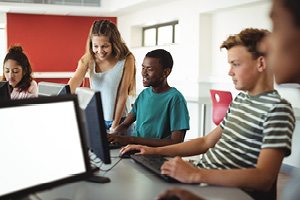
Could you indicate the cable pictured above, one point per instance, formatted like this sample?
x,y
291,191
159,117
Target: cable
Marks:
x,y
107,170
96,162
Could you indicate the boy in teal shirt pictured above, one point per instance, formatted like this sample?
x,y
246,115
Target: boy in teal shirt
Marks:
x,y
160,111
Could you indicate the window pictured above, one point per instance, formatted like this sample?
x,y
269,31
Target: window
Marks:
x,y
161,34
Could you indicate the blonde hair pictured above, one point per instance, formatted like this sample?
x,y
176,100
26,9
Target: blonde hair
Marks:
x,y
120,50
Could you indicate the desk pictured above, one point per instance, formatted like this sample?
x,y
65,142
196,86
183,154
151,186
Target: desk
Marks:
x,y
130,181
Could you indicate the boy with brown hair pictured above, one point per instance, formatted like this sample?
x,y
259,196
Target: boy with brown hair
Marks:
x,y
247,148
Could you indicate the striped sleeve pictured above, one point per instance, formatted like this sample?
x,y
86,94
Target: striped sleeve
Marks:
x,y
278,128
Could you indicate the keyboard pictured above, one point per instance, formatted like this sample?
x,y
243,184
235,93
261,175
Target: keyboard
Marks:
x,y
153,163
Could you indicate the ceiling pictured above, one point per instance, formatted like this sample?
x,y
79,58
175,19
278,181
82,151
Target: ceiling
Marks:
x,y
109,8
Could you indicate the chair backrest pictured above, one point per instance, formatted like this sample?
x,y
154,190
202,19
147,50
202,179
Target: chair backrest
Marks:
x,y
221,101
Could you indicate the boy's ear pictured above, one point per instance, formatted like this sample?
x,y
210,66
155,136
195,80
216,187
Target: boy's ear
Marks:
x,y
167,72
262,63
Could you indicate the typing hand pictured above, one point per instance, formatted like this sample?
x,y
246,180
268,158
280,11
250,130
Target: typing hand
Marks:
x,y
141,148
122,140
178,193
180,170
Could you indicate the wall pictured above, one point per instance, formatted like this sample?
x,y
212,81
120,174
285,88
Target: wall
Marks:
x,y
199,63
53,43
185,54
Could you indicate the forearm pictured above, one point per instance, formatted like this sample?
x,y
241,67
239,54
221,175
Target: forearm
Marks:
x,y
123,127
189,148
243,178
78,76
74,83
119,110
260,178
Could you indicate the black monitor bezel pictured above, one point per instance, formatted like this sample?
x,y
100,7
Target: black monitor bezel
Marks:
x,y
6,84
102,128
77,177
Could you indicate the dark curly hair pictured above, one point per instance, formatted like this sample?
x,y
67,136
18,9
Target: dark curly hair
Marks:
x,y
15,53
250,38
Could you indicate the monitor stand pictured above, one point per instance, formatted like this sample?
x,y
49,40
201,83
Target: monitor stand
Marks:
x,y
97,179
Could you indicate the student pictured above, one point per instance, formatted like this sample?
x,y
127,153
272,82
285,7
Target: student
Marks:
x,y
111,69
18,72
283,49
160,111
247,148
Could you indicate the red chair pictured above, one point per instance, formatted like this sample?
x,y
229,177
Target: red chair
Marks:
x,y
221,101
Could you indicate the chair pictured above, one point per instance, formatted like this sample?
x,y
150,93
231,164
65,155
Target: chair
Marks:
x,y
221,101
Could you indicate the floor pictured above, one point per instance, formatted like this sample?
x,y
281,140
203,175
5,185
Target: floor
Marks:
x,y
282,180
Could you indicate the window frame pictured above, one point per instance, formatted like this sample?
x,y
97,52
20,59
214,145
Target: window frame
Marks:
x,y
156,26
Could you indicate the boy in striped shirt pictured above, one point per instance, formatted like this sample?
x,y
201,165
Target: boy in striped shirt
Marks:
x,y
247,148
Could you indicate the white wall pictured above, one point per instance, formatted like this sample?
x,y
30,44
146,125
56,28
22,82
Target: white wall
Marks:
x,y
232,21
199,63
186,63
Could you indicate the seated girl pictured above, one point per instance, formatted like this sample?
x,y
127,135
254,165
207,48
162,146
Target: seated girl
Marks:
x,y
17,71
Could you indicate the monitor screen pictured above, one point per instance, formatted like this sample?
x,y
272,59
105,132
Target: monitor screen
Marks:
x,y
52,89
91,105
42,145
4,91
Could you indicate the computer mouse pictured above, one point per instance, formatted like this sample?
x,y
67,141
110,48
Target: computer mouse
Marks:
x,y
128,153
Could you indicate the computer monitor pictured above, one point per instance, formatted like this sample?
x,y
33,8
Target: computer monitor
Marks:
x,y
91,105
52,89
42,145
4,91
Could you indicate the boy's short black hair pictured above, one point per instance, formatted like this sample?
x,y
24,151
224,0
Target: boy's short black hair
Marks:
x,y
165,58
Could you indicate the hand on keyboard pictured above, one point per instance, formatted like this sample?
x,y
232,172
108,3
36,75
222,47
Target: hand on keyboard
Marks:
x,y
123,140
180,170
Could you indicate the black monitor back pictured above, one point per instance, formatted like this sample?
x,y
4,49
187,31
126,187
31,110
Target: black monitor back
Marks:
x,y
47,148
53,89
4,91
91,105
